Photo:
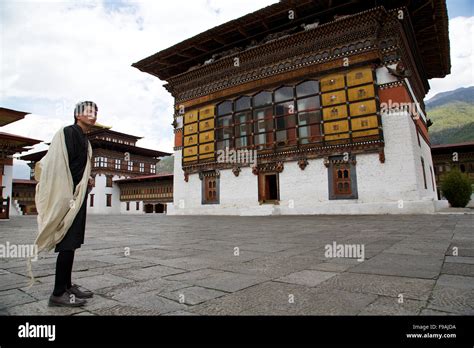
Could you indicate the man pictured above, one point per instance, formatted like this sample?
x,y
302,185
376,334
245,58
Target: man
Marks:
x,y
61,196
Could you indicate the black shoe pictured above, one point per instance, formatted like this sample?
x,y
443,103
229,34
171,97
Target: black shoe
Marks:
x,y
65,300
79,292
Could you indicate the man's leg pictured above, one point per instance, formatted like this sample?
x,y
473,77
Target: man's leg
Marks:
x,y
60,296
63,272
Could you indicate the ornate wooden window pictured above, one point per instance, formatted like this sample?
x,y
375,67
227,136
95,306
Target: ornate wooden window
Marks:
x,y
224,127
342,178
118,164
263,120
210,187
309,112
108,181
243,123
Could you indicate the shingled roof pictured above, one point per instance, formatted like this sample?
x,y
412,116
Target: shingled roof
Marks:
x,y
429,19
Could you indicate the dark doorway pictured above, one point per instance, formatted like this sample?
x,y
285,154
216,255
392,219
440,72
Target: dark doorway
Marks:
x,y
159,208
148,208
268,188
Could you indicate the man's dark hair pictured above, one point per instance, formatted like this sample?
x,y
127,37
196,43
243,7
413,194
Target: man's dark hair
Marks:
x,y
80,107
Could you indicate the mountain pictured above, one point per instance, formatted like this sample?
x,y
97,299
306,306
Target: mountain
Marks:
x,y
166,165
452,114
463,94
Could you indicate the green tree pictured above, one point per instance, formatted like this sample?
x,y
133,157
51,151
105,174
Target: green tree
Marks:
x,y
457,189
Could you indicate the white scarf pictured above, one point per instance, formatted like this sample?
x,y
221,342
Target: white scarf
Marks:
x,y
56,200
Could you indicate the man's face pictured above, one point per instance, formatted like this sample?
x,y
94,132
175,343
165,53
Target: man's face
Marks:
x,y
88,116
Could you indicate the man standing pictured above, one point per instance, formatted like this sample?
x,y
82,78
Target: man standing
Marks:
x,y
61,196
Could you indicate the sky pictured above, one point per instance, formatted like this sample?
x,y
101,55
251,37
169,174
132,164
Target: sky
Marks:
x,y
56,53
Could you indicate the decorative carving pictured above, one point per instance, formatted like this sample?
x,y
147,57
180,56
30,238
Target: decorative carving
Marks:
x,y
236,170
279,167
326,162
382,155
303,163
255,170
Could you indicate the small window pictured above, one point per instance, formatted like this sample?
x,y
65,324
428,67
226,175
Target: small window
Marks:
x,y
91,200
210,189
307,88
118,164
152,168
109,181
128,206
138,205
224,108
242,103
130,166
109,199
342,178
262,99
424,174
142,167
283,93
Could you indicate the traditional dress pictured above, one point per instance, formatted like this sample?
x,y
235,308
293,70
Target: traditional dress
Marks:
x,y
77,145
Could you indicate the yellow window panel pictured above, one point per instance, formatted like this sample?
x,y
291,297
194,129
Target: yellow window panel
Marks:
x,y
190,128
206,112
332,82
334,112
361,92
206,156
190,140
191,117
334,98
206,148
365,133
190,159
364,122
363,108
206,137
206,125
336,127
359,76
336,136
190,151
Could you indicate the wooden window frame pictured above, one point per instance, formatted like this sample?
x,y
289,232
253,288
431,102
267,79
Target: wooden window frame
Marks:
x,y
210,195
337,163
108,200
262,188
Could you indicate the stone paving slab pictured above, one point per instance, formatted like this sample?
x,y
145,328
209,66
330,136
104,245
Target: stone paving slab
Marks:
x,y
416,266
281,269
309,278
414,288
391,306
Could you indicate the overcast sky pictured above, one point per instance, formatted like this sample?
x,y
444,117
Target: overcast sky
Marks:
x,y
55,53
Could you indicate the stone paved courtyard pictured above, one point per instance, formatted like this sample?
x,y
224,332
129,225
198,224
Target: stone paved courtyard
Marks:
x,y
189,266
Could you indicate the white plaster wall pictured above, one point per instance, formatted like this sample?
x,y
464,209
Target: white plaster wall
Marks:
x,y
133,208
393,187
100,201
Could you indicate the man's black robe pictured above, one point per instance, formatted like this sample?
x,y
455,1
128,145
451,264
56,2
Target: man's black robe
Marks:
x,y
77,147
